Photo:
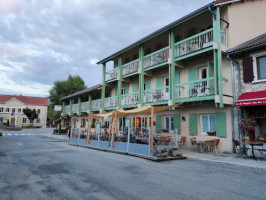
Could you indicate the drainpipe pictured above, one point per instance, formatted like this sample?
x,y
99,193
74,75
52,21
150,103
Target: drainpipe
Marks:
x,y
214,14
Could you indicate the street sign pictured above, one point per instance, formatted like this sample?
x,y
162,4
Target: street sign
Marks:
x,y
57,108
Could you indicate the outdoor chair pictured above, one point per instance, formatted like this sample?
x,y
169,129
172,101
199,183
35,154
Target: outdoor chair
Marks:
x,y
240,149
181,142
212,146
194,144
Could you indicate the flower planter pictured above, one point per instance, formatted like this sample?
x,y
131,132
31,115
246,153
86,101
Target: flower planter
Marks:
x,y
175,153
164,154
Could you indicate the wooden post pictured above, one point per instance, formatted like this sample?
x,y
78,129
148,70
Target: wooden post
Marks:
x,y
90,130
71,126
113,143
151,131
110,130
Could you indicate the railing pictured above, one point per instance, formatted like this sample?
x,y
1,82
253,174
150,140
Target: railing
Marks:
x,y
75,108
224,37
84,106
198,88
156,95
112,74
156,58
194,43
67,109
96,104
130,99
130,67
110,102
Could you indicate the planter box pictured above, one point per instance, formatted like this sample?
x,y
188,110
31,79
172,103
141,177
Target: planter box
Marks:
x,y
175,153
164,154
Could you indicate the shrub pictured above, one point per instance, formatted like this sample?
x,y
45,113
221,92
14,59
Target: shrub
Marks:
x,y
174,149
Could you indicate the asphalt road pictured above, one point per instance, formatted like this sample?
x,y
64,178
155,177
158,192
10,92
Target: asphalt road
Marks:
x,y
33,166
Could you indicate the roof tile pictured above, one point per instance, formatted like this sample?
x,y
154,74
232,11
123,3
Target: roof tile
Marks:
x,y
42,101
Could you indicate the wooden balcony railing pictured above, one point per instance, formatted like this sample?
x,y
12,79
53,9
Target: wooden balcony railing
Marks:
x,y
96,104
130,99
75,108
112,74
156,58
130,67
84,106
156,95
110,102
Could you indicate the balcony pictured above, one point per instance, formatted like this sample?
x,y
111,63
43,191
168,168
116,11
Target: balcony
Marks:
x,y
112,74
75,108
67,109
110,102
130,99
96,104
156,95
131,67
84,106
156,58
197,89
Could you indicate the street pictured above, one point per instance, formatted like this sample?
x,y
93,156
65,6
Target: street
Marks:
x,y
33,166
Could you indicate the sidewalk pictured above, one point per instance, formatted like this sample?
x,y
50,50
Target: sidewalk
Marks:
x,y
220,158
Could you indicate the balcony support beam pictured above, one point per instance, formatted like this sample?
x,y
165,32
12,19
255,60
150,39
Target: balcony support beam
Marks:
x,y
79,106
141,75
103,86
89,107
218,53
172,67
71,103
119,81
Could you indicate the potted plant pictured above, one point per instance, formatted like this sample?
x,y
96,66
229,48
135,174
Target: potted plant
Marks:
x,y
163,152
248,125
211,133
174,152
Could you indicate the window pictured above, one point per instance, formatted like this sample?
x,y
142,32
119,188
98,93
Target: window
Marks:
x,y
208,124
7,110
13,110
169,122
19,110
1,120
38,111
38,120
259,66
24,120
123,90
83,123
166,83
1,110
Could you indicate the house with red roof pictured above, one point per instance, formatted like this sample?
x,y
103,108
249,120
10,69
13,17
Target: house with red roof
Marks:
x,y
11,109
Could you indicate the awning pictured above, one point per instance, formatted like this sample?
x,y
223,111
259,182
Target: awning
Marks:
x,y
252,99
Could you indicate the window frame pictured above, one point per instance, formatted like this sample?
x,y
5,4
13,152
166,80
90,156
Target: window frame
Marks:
x,y
255,56
209,124
23,120
164,120
38,120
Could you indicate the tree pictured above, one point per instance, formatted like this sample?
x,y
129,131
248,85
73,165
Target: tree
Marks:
x,y
31,114
63,88
52,114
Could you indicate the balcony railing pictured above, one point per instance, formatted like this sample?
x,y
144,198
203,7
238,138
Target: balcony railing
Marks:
x,y
84,106
75,108
130,99
67,109
130,67
194,43
156,95
110,102
96,104
112,74
198,88
156,58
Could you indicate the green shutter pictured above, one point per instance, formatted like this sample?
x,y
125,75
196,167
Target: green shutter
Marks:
x,y
220,124
158,82
158,123
135,87
177,122
192,74
211,69
177,80
193,124
116,91
126,89
147,83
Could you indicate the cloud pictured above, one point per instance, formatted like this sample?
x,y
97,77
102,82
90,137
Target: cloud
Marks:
x,y
44,41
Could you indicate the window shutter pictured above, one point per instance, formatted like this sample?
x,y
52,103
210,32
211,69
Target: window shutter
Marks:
x,y
193,124
147,84
126,89
135,87
158,123
248,75
158,82
192,74
177,122
220,124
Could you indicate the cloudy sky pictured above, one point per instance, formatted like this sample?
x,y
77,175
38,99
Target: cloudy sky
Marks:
x,y
42,41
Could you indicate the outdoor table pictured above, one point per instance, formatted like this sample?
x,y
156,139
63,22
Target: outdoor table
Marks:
x,y
252,143
203,141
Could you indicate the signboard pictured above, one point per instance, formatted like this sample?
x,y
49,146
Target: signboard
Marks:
x,y
57,108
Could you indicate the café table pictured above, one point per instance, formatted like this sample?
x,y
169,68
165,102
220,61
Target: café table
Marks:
x,y
252,143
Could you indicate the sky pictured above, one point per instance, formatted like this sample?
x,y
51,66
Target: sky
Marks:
x,y
42,41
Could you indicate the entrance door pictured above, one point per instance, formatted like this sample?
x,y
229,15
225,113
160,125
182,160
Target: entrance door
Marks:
x,y
166,90
203,86
13,121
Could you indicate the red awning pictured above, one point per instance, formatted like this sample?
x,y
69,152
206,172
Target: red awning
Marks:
x,y
252,99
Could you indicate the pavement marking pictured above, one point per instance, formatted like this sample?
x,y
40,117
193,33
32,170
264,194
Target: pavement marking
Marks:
x,y
9,134
4,134
22,134
15,134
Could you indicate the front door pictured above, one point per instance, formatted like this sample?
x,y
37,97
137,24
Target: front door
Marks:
x,y
166,90
13,121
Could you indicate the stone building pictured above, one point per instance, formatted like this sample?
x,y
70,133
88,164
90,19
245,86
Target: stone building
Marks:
x,y
11,109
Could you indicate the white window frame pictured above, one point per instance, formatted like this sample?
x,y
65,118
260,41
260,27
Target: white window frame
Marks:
x,y
3,109
19,110
8,110
207,72
255,67
201,123
164,118
23,120
123,91
14,110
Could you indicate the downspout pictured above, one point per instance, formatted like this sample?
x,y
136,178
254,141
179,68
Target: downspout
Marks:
x,y
221,18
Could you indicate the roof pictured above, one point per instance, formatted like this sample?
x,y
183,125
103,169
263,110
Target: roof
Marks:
x,y
159,31
257,42
41,101
222,2
252,99
87,90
